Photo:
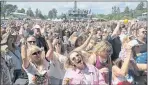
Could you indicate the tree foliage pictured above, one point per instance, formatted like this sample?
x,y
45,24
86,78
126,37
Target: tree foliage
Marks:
x,y
126,10
140,6
21,10
7,9
52,14
37,13
30,12
129,13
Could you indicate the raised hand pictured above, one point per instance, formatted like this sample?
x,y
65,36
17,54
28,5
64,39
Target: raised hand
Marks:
x,y
58,48
92,31
55,41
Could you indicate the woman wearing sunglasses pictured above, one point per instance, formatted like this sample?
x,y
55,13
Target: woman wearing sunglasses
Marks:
x,y
79,72
31,40
36,64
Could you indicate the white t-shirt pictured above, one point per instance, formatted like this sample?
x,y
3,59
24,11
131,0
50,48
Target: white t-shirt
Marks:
x,y
56,66
41,76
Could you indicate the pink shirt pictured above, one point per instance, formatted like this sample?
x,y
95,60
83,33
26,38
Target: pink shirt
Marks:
x,y
90,75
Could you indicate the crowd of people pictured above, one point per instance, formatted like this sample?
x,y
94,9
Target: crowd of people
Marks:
x,y
71,53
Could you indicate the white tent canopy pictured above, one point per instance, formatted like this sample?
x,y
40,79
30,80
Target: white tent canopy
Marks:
x,y
57,20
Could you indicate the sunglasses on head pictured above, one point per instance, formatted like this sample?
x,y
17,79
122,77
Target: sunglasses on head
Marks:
x,y
35,53
31,41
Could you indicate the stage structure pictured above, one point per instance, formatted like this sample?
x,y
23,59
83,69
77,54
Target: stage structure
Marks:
x,y
78,14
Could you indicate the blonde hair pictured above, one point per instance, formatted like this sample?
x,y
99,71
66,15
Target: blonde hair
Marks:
x,y
102,46
32,49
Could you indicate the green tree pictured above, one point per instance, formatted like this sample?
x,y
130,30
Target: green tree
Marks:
x,y
54,12
37,12
131,13
126,10
118,13
140,6
118,10
41,15
30,12
21,11
114,10
50,14
9,8
3,8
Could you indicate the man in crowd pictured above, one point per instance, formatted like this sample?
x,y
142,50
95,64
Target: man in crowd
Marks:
x,y
39,39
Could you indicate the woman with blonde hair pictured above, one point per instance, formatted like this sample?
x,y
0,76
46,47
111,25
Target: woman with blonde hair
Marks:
x,y
80,72
100,58
101,52
36,63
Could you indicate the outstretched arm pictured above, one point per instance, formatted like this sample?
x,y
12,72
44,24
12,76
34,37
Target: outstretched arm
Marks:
x,y
142,67
124,68
114,34
49,53
84,45
25,59
130,27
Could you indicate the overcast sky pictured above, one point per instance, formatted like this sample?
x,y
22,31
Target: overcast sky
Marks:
x,y
63,7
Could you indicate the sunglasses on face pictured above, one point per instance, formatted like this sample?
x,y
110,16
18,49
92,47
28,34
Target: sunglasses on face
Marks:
x,y
76,60
36,53
144,31
31,41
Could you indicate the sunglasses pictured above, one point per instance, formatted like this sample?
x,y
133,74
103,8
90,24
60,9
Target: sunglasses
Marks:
x,y
77,61
144,31
35,53
31,41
